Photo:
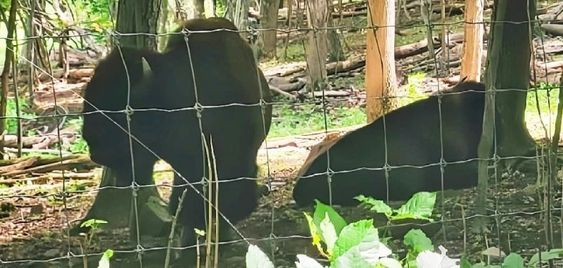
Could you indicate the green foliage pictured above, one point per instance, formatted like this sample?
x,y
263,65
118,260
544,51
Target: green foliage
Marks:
x,y
79,146
419,206
547,98
304,118
94,226
12,121
93,15
93,223
416,242
357,243
415,82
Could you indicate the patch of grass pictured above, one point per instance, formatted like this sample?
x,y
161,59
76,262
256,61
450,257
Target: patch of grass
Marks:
x,y
547,98
12,121
295,52
415,81
304,118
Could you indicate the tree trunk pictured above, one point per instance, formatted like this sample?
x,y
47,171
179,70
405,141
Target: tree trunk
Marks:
x,y
4,77
508,68
269,13
473,45
135,16
316,47
335,52
380,59
237,12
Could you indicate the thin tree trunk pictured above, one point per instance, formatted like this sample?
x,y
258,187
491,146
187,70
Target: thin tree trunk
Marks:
x,y
508,68
380,59
4,77
269,12
473,45
316,48
135,17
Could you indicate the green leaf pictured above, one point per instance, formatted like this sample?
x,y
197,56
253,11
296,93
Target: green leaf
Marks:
x,y
513,260
315,234
328,233
464,263
417,241
304,261
104,261
92,223
545,256
375,205
255,258
420,206
360,239
321,210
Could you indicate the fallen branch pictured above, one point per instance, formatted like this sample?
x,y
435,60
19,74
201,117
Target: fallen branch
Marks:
x,y
77,161
50,176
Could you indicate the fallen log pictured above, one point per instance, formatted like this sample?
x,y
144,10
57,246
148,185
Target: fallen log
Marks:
x,y
554,29
50,176
21,163
82,161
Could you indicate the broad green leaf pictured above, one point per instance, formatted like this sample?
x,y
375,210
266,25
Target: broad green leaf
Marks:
x,y
420,206
321,210
104,261
375,205
328,233
513,260
255,258
366,254
417,241
362,237
351,259
545,256
304,261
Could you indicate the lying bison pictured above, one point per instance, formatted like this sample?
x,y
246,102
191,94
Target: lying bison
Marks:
x,y
205,86
407,142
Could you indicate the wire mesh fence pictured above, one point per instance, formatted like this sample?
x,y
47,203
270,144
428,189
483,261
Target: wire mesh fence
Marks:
x,y
179,107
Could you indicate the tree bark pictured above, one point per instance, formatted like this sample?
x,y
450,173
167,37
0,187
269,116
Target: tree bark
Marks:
x,y
380,59
135,18
316,47
508,68
4,77
237,12
269,13
473,45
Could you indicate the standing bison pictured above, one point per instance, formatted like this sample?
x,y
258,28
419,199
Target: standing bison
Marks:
x,y
205,86
409,144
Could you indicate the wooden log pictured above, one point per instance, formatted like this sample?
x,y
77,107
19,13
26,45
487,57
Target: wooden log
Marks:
x,y
79,161
50,176
555,29
19,164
